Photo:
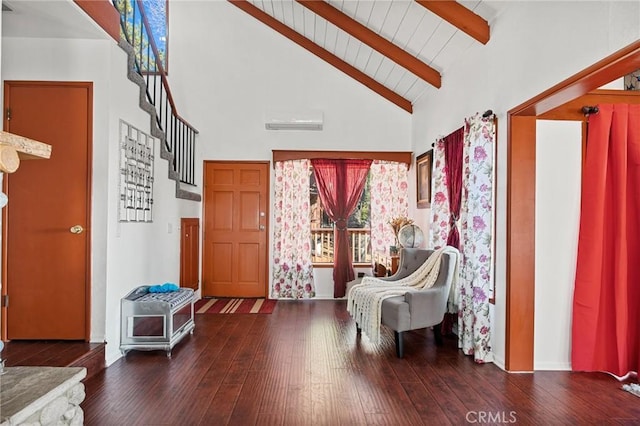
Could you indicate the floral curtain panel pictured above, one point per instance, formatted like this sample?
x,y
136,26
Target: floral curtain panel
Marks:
x,y
476,239
292,267
476,232
440,212
389,199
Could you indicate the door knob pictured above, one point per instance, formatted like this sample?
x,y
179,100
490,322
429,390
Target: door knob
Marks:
x,y
76,229
262,227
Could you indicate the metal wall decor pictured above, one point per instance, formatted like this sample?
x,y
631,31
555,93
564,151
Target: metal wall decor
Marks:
x,y
136,174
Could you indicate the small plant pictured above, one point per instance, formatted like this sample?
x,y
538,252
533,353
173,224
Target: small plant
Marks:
x,y
398,222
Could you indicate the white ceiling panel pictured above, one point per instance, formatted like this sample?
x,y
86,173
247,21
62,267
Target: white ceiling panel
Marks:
x,y
436,43
298,17
379,15
362,11
424,32
373,62
277,10
428,90
459,43
395,76
320,30
383,70
405,23
353,47
405,83
407,30
395,19
341,44
309,24
364,53
349,8
416,88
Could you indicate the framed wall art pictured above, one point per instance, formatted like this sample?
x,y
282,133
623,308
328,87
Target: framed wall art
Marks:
x,y
423,177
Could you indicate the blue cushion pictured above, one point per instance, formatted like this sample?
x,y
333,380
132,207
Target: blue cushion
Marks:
x,y
163,288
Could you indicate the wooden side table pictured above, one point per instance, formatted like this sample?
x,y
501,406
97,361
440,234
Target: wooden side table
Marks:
x,y
385,265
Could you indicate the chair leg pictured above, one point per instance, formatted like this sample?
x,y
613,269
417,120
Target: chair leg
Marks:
x,y
399,344
358,329
437,334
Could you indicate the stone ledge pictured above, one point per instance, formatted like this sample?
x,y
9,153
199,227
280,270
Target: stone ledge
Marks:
x,y
41,395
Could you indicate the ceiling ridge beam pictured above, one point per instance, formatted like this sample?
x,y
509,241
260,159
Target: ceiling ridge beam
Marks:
x,y
373,40
460,17
323,54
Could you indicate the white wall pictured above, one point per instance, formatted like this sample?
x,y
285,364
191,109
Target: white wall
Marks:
x,y
558,148
533,46
138,253
124,255
74,60
227,70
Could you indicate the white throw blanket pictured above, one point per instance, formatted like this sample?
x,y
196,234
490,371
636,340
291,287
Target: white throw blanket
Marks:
x,y
364,301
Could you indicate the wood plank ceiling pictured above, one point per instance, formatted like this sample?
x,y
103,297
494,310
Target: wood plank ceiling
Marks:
x,y
400,48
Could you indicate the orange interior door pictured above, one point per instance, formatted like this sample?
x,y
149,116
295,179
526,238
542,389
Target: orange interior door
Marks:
x,y
189,252
46,267
235,229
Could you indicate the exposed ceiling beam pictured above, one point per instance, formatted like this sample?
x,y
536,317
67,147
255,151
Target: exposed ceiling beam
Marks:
x,y
460,17
376,42
324,54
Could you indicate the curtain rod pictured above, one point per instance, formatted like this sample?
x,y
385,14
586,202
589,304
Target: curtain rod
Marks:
x,y
488,113
586,110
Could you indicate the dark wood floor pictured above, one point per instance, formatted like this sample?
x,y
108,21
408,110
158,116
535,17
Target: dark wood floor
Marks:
x,y
304,365
55,353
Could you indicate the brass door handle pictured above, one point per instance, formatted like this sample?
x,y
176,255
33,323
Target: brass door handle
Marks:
x,y
76,229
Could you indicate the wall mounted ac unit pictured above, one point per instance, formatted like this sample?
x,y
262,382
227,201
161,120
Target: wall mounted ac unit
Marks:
x,y
300,120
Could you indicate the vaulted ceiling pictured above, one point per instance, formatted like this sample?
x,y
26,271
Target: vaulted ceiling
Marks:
x,y
400,49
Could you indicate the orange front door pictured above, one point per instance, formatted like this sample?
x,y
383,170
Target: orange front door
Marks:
x,y
235,229
46,264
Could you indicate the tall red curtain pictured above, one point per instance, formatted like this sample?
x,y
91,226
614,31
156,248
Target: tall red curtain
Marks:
x,y
340,184
606,302
453,145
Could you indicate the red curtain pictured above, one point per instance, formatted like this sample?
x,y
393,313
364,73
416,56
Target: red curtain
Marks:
x,y
340,184
606,302
453,145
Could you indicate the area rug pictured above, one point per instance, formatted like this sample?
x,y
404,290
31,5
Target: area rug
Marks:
x,y
234,306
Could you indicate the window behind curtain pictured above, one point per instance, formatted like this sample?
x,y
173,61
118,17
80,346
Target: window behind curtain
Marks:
x,y
359,227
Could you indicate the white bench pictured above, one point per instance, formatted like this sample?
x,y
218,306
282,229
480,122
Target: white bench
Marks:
x,y
152,321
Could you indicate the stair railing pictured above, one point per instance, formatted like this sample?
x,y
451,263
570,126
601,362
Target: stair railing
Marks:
x,y
179,135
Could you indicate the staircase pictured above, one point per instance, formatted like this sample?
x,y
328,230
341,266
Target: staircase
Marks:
x,y
145,68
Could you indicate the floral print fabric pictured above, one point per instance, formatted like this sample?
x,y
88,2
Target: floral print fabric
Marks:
x,y
476,216
476,232
389,199
440,212
292,267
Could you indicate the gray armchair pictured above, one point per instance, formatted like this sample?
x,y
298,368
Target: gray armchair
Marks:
x,y
418,308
